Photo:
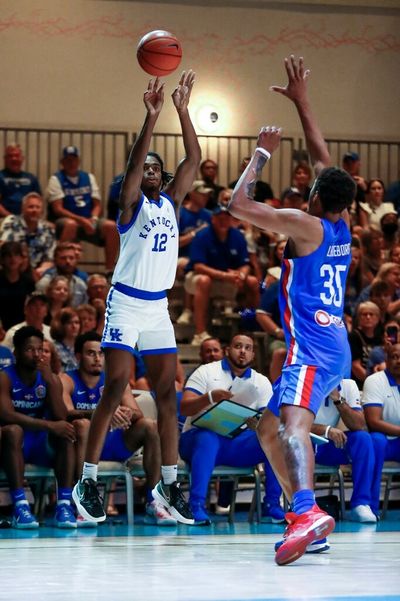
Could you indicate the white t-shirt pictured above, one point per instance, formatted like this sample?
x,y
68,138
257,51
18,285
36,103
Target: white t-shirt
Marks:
x,y
378,391
218,375
328,414
8,339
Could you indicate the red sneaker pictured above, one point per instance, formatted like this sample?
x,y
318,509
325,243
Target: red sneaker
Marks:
x,y
301,531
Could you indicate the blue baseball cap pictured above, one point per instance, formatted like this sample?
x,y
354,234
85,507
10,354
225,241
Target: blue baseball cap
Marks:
x,y
70,151
351,156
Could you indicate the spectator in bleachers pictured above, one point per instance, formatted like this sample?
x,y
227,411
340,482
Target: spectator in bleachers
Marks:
x,y
372,252
352,164
209,174
129,430
381,402
354,445
268,317
363,338
356,280
211,350
262,190
372,211
301,178
14,285
31,404
291,198
51,357
35,310
31,229
65,263
391,335
64,329
97,290
393,195
380,295
203,449
88,318
58,296
15,183
390,231
394,254
390,274
218,267
6,356
193,217
74,201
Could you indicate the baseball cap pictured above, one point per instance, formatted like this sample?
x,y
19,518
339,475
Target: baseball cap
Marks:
x,y
291,191
70,151
36,295
351,156
220,209
200,186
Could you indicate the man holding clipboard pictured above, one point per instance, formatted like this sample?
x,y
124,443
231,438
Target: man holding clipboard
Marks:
x,y
222,400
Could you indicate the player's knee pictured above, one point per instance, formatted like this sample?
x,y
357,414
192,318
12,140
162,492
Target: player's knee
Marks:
x,y
81,427
12,434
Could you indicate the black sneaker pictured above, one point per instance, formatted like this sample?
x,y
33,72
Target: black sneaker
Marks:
x,y
170,496
88,501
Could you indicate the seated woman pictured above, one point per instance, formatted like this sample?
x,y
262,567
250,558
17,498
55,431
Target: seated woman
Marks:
x,y
64,329
374,208
59,297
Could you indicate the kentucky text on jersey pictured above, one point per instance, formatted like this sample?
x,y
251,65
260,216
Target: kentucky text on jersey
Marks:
x,y
147,227
339,250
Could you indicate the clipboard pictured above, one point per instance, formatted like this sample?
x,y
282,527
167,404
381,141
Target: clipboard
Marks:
x,y
317,440
226,418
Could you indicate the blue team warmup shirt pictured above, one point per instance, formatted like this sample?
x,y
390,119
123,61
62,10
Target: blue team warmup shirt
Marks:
x,y
208,249
189,220
30,400
83,397
14,186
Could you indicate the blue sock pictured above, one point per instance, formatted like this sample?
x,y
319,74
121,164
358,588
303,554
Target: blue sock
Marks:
x,y
18,495
303,500
149,496
64,495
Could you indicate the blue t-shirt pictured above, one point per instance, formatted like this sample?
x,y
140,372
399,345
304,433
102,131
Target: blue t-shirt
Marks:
x,y
30,400
6,357
190,220
14,186
269,302
113,197
208,249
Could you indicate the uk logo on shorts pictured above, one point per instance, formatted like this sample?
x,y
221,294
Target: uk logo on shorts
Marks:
x,y
115,335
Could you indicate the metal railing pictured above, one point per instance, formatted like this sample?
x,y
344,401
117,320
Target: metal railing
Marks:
x,y
104,153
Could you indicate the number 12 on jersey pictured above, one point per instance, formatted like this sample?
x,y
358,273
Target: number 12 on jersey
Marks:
x,y
160,243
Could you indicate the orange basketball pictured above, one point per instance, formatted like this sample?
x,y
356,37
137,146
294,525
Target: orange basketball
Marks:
x,y
159,53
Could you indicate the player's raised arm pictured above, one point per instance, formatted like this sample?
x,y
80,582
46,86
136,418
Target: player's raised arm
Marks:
x,y
130,191
296,91
292,223
179,186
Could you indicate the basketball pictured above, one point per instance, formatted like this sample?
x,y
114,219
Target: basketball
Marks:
x,y
159,53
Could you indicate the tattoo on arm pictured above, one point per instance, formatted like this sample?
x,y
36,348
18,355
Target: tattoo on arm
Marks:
x,y
260,161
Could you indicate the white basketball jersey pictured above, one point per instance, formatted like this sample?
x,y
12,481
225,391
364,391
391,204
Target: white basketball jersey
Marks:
x,y
149,246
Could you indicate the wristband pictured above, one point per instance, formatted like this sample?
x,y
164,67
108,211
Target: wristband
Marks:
x,y
264,152
210,397
326,435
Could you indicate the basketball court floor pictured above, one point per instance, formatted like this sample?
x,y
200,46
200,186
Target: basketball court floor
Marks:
x,y
221,562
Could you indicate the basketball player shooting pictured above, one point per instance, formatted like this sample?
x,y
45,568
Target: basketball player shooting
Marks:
x,y
137,307
314,271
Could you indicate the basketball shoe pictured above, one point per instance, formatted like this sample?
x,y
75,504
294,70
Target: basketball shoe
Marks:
x,y
170,496
23,518
318,546
158,515
88,500
302,530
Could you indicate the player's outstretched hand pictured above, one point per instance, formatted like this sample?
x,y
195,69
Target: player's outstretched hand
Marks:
x,y
296,88
153,97
269,138
181,94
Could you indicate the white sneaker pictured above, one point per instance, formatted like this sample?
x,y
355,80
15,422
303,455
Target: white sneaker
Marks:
x,y
185,318
362,513
219,510
199,338
157,515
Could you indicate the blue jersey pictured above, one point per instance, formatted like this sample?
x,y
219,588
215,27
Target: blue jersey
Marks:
x,y
83,397
78,197
29,400
190,220
208,249
14,186
312,298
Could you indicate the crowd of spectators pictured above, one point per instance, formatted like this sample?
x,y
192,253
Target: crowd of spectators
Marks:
x,y
43,286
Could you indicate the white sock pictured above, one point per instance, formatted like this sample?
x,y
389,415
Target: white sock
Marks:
x,y
21,502
89,471
169,473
